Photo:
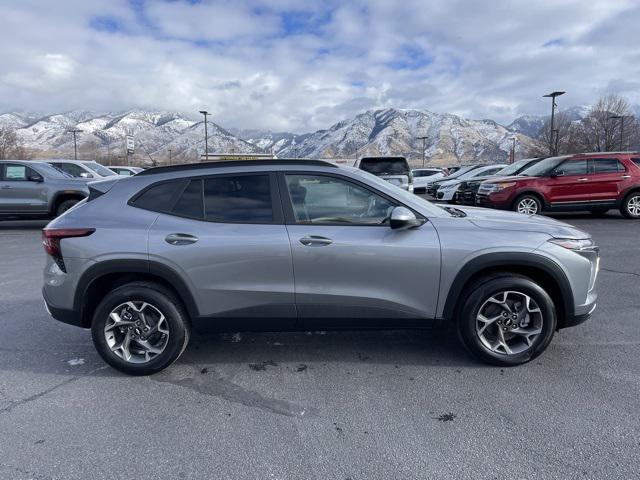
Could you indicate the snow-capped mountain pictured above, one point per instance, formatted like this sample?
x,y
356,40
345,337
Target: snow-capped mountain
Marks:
x,y
531,125
450,138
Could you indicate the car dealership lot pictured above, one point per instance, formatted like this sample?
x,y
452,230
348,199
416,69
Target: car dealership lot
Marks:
x,y
356,405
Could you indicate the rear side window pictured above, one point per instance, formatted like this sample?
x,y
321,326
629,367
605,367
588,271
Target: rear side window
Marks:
x,y
159,197
190,202
385,166
238,199
636,161
71,169
606,165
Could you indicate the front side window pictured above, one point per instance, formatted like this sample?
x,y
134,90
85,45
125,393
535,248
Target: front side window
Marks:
x,y
572,167
606,165
319,199
238,199
72,169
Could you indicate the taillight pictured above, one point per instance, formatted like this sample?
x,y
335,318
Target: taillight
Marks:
x,y
51,241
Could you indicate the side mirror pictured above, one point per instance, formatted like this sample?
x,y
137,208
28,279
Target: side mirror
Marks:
x,y
36,178
402,219
557,173
86,175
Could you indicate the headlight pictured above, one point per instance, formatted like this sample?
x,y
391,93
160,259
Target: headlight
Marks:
x,y
498,187
573,244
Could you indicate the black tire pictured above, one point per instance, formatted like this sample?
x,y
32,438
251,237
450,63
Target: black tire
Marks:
x,y
164,301
475,297
65,205
530,200
629,206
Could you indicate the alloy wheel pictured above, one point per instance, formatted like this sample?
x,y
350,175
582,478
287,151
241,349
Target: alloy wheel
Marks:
x,y
528,206
633,206
136,331
509,322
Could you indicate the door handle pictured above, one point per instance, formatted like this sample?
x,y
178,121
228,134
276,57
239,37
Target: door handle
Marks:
x,y
583,179
180,239
315,240
6,187
625,176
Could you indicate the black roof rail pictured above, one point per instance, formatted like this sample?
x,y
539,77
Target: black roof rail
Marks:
x,y
234,163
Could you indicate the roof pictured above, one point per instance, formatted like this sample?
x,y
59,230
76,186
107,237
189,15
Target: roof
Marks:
x,y
234,163
600,154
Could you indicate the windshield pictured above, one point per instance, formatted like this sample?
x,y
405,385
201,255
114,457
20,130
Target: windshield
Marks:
x,y
385,166
399,192
50,171
542,167
515,168
99,169
461,171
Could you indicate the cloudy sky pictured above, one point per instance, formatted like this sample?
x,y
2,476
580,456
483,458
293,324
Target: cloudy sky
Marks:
x,y
303,65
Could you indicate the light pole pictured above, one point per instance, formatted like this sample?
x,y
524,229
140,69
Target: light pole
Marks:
x,y
424,147
553,96
75,144
512,154
206,136
621,118
169,156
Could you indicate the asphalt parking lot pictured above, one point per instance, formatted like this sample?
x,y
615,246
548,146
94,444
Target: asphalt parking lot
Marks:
x,y
322,405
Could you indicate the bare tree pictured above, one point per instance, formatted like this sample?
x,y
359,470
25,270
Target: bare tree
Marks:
x,y
601,130
562,132
10,146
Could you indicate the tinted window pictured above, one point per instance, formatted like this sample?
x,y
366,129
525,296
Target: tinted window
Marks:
x,y
318,199
636,161
385,166
573,167
71,169
239,199
424,173
159,197
190,202
606,165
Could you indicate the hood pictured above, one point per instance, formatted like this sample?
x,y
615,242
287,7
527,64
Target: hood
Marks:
x,y
502,220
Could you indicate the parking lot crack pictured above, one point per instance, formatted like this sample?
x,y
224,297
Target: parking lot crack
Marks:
x,y
622,272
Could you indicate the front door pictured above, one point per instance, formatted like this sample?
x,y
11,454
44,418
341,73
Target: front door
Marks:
x,y
570,184
18,194
348,262
226,236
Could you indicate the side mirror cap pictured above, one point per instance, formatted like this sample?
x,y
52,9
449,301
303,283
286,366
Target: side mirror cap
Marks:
x,y
86,175
402,219
36,178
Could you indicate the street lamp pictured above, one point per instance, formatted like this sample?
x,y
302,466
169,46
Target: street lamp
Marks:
x,y
621,118
75,144
206,136
553,96
424,147
512,153
169,156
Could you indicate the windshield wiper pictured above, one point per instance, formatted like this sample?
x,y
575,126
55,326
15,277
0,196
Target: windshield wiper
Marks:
x,y
454,211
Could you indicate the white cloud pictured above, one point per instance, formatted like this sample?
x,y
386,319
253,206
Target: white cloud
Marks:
x,y
299,66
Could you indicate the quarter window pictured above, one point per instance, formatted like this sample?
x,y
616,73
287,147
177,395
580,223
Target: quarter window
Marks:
x,y
319,199
238,199
159,197
190,202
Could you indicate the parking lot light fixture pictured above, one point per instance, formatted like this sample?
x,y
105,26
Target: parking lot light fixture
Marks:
x,y
206,136
424,147
552,143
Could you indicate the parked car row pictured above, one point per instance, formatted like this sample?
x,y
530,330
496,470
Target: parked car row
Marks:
x,y
45,189
594,182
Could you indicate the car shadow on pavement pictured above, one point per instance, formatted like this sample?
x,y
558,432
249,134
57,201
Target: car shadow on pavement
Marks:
x,y
22,224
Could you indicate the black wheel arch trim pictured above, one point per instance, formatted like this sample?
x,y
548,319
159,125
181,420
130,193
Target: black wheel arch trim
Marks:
x,y
131,266
534,193
72,193
510,260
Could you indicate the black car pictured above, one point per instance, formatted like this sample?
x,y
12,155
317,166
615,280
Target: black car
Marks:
x,y
467,190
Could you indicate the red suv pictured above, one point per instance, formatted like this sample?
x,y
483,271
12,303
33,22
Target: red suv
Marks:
x,y
595,182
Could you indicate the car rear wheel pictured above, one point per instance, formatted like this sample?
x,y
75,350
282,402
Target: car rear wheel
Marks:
x,y
506,320
64,206
140,328
527,204
630,207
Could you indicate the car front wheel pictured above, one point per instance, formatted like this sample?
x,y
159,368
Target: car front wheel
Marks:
x,y
64,206
630,207
527,204
506,319
140,328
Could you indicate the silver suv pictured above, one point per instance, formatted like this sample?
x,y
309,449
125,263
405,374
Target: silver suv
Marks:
x,y
30,189
280,244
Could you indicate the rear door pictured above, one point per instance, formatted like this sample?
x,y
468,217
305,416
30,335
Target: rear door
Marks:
x,y
606,179
348,263
18,194
225,234
570,183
